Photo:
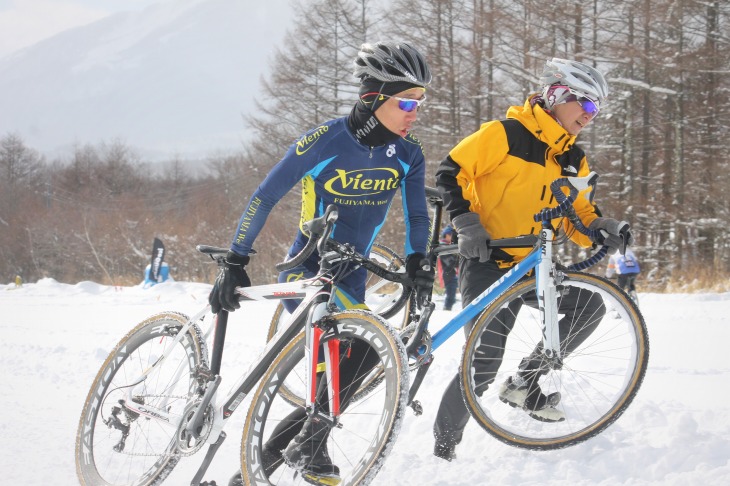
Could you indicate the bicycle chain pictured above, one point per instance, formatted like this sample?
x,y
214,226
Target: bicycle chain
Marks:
x,y
181,397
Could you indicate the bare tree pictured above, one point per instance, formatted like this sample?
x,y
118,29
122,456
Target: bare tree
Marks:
x,y
657,143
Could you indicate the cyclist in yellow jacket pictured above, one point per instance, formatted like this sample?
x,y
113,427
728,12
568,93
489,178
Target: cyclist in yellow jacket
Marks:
x,y
492,183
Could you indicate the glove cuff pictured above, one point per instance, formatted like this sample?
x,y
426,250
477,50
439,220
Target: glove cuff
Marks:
x,y
611,225
415,256
464,220
413,263
233,258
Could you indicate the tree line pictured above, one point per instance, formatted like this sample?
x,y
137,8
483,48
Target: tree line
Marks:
x,y
656,144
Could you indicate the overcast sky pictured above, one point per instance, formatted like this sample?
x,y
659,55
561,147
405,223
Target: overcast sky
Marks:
x,y
25,22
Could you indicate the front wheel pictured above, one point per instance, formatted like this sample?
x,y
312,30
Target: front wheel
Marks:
x,y
116,446
601,372
366,429
634,296
389,300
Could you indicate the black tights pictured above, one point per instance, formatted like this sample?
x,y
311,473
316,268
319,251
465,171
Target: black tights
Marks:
x,y
353,370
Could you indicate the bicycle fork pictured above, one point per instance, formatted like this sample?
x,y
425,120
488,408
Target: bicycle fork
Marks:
x,y
547,297
330,366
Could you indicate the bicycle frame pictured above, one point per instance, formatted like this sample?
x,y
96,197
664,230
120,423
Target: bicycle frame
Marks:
x,y
540,258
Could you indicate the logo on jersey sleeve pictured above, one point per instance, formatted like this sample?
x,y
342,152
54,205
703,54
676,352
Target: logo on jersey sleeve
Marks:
x,y
362,182
410,138
307,141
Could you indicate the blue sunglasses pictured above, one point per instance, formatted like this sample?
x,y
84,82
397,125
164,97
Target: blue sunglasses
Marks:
x,y
589,106
407,104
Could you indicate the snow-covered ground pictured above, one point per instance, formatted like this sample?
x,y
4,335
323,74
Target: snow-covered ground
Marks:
x,y
54,337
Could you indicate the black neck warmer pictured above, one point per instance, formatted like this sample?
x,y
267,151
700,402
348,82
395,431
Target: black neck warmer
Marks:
x,y
367,129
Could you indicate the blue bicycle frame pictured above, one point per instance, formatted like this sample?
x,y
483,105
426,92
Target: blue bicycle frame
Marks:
x,y
539,259
476,306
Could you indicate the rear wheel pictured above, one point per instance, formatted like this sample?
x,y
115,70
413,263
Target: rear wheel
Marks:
x,y
383,297
115,446
597,380
367,428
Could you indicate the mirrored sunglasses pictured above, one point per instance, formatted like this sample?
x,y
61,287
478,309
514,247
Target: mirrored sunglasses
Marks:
x,y
589,106
407,104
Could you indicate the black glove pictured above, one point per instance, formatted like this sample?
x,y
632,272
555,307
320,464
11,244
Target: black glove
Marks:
x,y
419,269
472,236
616,235
232,275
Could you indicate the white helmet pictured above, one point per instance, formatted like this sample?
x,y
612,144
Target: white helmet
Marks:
x,y
581,79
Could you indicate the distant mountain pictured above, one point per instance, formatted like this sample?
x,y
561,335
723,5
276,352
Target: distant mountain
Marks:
x,y
174,78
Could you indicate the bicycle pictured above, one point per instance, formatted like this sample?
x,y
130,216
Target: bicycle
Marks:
x,y
156,398
594,381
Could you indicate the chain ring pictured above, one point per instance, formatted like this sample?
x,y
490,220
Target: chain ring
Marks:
x,y
407,332
185,442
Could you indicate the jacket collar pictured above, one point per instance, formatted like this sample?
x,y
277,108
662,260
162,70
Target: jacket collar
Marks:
x,y
542,125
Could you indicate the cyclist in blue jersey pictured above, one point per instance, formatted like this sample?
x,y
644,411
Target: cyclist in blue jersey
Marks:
x,y
358,163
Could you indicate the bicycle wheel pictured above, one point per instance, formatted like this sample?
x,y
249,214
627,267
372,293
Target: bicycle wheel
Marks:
x,y
367,429
597,380
634,296
114,446
387,299
383,297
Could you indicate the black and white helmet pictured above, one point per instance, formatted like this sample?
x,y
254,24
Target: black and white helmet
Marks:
x,y
581,79
391,62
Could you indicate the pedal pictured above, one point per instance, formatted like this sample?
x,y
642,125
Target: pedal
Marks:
x,y
417,407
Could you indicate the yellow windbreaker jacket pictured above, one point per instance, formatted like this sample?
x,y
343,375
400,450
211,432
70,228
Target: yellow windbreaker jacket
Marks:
x,y
503,173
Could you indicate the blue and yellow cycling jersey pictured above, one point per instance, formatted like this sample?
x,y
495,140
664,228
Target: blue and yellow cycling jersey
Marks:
x,y
361,181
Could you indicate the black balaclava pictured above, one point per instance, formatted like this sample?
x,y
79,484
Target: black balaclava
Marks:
x,y
362,120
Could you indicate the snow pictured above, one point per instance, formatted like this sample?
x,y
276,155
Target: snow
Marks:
x,y
677,432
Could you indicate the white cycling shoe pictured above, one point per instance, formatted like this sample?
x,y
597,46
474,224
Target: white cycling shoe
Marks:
x,y
532,400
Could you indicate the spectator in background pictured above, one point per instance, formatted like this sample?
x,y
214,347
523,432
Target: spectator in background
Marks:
x,y
626,268
447,269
